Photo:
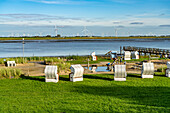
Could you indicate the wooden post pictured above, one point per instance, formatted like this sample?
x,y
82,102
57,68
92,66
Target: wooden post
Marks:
x,y
120,50
23,49
145,54
139,54
88,63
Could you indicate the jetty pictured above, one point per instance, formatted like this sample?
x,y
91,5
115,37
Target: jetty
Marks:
x,y
141,50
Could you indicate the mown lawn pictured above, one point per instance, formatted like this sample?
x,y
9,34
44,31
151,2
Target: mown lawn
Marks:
x,y
97,93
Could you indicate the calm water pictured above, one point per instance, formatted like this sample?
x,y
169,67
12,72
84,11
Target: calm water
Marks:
x,y
75,47
99,69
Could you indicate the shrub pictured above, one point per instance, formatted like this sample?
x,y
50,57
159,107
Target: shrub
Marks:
x,y
62,66
160,69
10,73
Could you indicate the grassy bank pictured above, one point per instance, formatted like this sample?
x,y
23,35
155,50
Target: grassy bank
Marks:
x,y
19,60
59,38
97,93
71,59
51,60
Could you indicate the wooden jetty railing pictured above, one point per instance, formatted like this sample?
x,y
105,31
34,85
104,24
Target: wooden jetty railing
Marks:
x,y
147,50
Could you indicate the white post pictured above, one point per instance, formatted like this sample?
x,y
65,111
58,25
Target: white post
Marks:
x,y
88,63
23,49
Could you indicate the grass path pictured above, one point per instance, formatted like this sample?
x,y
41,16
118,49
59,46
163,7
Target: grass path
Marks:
x,y
97,93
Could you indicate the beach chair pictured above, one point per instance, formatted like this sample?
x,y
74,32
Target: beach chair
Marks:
x,y
11,64
94,57
168,69
76,73
147,70
113,55
51,74
93,68
127,55
120,73
135,55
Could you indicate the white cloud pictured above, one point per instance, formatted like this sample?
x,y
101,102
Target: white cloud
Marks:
x,y
43,19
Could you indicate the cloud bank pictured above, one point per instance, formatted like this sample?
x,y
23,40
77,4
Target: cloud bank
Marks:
x,y
45,19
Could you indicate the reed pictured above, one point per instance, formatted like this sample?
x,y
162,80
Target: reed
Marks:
x,y
9,73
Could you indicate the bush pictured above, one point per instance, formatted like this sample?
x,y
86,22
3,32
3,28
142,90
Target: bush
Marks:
x,y
10,73
63,66
77,57
160,69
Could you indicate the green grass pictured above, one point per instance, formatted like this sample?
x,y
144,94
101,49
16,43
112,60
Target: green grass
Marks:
x,y
97,93
83,60
19,60
142,59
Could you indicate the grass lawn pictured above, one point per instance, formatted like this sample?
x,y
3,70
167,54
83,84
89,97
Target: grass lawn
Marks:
x,y
97,93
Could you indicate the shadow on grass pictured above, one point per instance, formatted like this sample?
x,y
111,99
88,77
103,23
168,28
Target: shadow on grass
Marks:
x,y
107,77
149,96
42,78
134,75
160,74
64,78
37,78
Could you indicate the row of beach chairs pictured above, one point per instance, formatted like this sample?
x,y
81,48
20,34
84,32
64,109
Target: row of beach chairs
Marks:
x,y
120,71
76,74
120,74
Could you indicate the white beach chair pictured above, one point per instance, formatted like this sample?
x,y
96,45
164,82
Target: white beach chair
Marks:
x,y
51,74
113,55
76,73
147,70
168,69
120,73
93,69
135,55
94,57
127,55
11,64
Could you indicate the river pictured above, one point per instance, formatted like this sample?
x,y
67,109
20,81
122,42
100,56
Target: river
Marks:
x,y
14,48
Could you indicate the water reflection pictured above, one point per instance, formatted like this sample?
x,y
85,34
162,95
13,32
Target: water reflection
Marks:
x,y
99,69
75,47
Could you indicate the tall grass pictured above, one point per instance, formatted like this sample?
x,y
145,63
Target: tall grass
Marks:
x,y
162,69
63,67
9,73
19,60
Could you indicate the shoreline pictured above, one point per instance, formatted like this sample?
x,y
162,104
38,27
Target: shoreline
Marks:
x,y
77,38
16,40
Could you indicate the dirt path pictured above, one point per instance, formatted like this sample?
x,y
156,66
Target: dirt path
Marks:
x,y
37,68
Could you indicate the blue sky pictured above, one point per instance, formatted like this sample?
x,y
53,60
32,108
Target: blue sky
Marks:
x,y
102,17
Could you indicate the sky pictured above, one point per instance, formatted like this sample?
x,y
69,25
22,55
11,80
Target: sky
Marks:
x,y
74,17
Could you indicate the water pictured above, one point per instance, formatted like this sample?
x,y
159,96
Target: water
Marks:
x,y
99,69
74,47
